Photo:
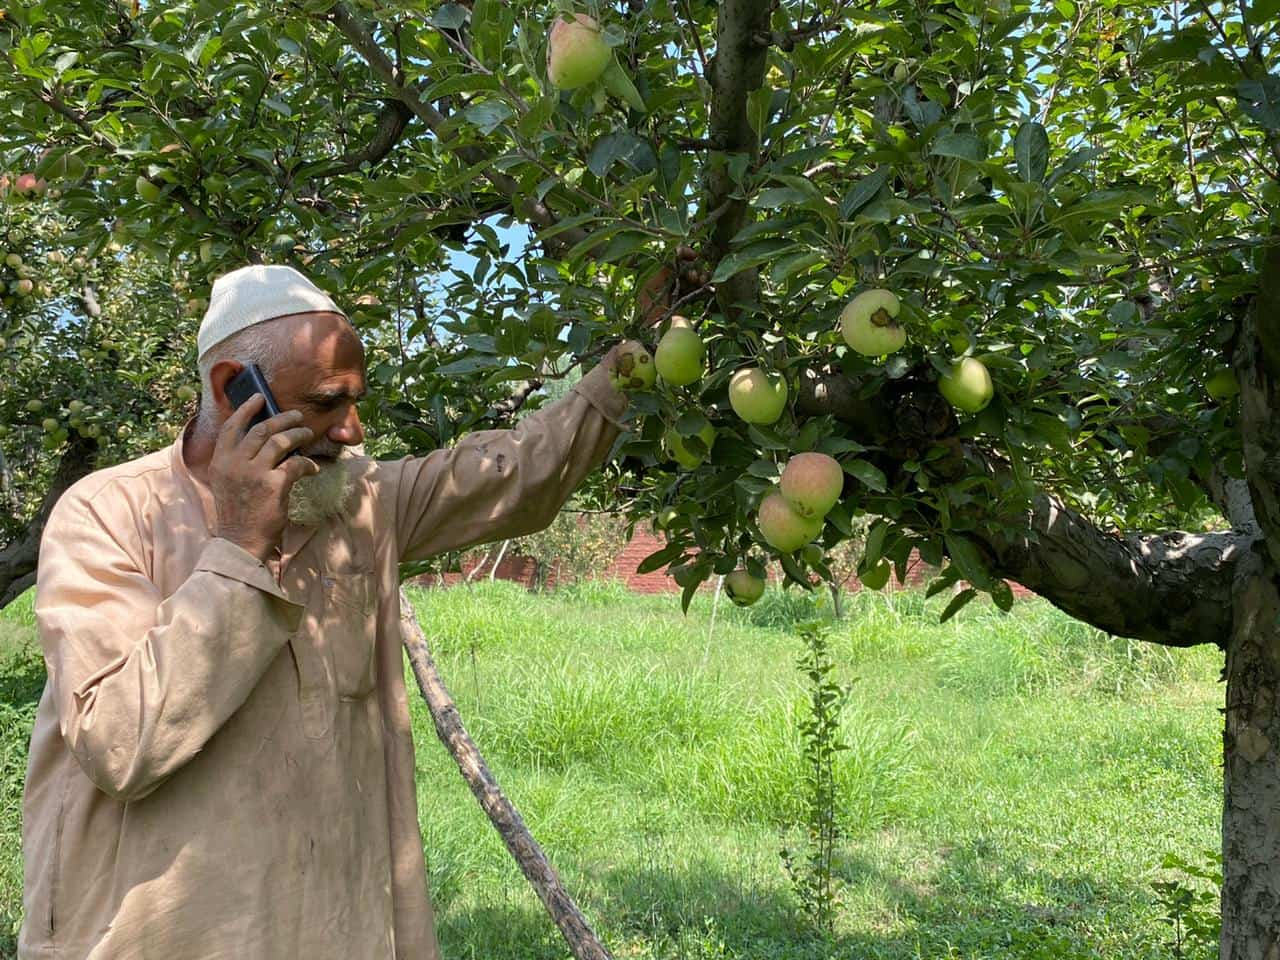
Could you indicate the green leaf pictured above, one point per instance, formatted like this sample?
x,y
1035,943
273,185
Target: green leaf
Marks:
x,y
751,256
862,193
620,145
968,560
1260,99
788,266
488,116
875,543
871,476
781,197
964,146
449,16
660,558
1031,151
957,603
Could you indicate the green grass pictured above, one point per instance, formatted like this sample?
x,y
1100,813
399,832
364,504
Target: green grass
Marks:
x,y
1011,785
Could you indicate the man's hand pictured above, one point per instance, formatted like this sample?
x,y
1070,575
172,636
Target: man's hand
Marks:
x,y
250,482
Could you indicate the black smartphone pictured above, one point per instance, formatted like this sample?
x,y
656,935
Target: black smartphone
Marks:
x,y
244,385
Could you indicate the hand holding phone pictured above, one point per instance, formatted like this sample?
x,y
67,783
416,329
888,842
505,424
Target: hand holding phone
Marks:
x,y
253,467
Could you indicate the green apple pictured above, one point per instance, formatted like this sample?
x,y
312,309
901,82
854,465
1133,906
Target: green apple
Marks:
x,y
877,576
743,589
811,483
13,260
35,406
756,396
869,323
680,452
185,393
4,430
967,385
783,528
666,516
679,357
1222,385
75,406
146,190
633,368
576,52
50,424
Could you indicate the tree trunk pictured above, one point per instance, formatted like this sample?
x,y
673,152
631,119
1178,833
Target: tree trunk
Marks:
x,y
1251,776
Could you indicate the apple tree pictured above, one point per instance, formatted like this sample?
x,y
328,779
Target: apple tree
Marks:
x,y
1012,267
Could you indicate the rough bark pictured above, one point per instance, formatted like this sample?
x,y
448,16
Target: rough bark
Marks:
x,y
18,559
1169,588
1257,367
737,69
1251,774
502,813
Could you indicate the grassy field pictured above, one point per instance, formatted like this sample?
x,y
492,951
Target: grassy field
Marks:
x,y
1011,785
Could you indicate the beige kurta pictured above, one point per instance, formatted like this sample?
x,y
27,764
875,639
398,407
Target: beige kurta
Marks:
x,y
222,763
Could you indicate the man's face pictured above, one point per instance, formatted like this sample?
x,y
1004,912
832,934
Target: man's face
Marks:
x,y
324,383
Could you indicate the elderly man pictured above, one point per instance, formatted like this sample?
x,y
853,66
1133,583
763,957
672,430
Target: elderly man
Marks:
x,y
222,764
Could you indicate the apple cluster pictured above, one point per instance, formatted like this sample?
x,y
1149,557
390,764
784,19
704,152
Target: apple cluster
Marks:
x,y
792,516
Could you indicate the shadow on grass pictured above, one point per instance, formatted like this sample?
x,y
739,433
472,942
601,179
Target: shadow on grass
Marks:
x,y
963,907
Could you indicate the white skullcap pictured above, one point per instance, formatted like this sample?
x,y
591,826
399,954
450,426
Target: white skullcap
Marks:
x,y
255,293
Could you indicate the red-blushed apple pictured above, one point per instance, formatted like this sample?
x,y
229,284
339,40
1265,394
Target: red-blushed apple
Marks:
x,y
783,528
869,323
679,356
682,454
756,396
576,52
967,385
23,287
743,589
811,483
29,183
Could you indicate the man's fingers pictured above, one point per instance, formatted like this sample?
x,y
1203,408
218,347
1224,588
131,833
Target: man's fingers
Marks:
x,y
298,467
235,424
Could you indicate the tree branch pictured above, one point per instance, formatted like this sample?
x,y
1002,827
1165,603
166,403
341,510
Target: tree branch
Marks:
x,y
526,207
1168,588
737,69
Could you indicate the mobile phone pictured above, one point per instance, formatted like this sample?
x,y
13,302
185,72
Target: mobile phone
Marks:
x,y
244,385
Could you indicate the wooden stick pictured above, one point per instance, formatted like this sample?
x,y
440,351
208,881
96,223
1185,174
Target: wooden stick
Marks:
x,y
502,814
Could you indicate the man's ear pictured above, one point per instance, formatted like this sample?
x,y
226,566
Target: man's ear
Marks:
x,y
223,372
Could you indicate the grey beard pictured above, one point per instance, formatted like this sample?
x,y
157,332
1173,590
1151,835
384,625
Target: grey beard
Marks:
x,y
314,499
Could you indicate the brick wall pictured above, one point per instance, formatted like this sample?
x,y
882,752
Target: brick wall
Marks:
x,y
521,569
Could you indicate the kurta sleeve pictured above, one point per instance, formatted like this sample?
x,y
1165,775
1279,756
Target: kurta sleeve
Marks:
x,y
141,682
504,483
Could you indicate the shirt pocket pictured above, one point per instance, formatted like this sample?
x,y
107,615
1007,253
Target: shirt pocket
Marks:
x,y
349,630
